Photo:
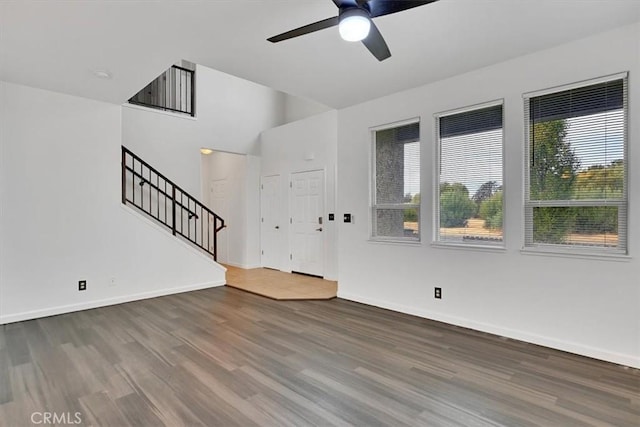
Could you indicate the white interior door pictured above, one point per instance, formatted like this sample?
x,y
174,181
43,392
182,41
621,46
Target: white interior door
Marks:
x,y
307,209
218,201
270,227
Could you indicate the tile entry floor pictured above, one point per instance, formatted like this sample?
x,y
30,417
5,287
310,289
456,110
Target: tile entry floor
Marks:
x,y
280,286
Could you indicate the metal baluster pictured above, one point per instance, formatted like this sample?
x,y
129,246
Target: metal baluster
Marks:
x,y
158,198
133,179
173,209
150,205
215,238
124,177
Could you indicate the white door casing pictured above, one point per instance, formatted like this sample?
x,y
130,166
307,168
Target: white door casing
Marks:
x,y
271,228
307,213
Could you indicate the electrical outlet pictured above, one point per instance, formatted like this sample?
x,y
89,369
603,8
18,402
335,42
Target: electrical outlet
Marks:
x,y
331,217
437,293
82,285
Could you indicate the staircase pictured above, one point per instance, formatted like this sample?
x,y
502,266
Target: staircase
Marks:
x,y
146,189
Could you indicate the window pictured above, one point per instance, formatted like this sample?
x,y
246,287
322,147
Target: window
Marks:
x,y
396,187
172,91
470,180
576,185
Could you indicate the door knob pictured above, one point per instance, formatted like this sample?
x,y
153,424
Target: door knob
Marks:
x,y
319,229
277,227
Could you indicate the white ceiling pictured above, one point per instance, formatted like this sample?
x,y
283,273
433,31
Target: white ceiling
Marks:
x,y
56,44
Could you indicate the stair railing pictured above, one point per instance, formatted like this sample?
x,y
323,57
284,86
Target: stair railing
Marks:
x,y
157,196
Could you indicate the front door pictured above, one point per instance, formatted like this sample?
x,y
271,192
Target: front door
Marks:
x,y
307,212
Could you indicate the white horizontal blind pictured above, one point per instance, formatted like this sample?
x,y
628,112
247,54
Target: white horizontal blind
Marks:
x,y
396,198
470,203
576,185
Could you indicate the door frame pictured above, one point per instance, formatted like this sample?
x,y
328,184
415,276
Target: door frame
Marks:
x,y
324,216
280,241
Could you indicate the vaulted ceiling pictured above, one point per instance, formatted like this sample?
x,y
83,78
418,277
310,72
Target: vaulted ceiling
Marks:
x,y
57,45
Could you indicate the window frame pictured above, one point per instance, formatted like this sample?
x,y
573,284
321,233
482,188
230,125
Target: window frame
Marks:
x,y
574,250
373,206
436,240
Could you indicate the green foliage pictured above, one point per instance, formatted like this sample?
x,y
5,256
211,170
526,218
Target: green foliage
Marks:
x,y
485,191
552,224
599,182
455,205
553,171
554,165
456,187
491,211
411,214
596,219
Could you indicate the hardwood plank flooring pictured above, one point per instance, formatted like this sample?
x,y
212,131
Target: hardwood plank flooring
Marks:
x,y
223,357
280,286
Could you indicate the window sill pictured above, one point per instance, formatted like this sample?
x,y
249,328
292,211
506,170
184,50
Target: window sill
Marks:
x,y
158,111
481,248
551,252
395,242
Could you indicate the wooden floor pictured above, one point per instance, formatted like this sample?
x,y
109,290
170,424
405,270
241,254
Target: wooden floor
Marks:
x,y
280,286
223,357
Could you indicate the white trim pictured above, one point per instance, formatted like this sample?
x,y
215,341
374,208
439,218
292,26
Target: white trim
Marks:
x,y
436,240
243,266
470,246
576,252
474,107
397,124
571,347
185,116
570,203
575,85
373,206
35,314
395,241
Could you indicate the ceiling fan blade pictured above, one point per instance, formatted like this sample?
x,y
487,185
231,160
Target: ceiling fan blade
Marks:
x,y
386,7
316,26
348,3
376,44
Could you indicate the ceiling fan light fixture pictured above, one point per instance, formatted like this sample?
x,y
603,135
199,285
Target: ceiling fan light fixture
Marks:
x,y
354,24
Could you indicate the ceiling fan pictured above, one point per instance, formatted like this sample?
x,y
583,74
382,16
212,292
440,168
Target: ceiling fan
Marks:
x,y
355,23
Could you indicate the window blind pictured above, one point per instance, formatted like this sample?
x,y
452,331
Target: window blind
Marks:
x,y
576,185
396,198
470,185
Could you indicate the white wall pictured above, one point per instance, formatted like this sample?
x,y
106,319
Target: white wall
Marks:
x,y
230,114
296,108
62,219
242,216
284,150
587,306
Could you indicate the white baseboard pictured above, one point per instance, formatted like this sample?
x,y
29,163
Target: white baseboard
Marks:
x,y
35,314
571,347
243,266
